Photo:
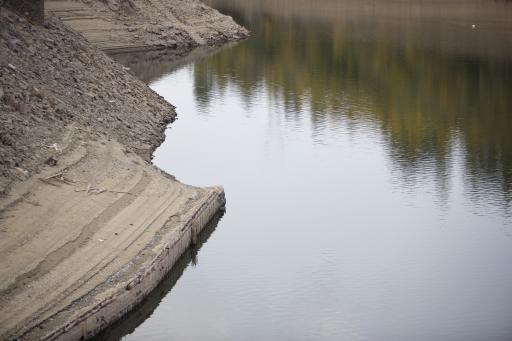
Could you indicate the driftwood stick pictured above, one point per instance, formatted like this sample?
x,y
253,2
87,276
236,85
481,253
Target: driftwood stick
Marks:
x,y
53,176
121,192
67,180
96,191
87,190
58,177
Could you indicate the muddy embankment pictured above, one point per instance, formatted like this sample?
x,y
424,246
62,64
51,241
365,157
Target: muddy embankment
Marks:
x,y
88,226
127,25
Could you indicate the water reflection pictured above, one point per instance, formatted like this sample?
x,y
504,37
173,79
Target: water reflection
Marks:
x,y
366,162
148,66
428,101
478,27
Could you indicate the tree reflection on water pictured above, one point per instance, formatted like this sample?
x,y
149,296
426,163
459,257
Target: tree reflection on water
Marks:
x,y
428,101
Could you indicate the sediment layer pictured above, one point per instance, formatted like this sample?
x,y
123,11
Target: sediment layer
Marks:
x,y
126,25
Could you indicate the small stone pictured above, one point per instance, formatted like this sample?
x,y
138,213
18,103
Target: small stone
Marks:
x,y
13,42
51,161
37,92
132,29
12,67
60,109
21,173
23,108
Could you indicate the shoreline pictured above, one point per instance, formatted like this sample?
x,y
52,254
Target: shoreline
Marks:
x,y
89,226
130,321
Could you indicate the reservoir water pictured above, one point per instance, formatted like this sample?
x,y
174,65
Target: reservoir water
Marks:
x,y
366,155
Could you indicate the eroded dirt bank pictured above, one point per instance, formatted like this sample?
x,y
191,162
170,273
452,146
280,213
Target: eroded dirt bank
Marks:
x,y
87,225
54,83
124,25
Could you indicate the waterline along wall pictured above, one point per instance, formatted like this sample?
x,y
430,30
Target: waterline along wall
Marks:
x,y
131,292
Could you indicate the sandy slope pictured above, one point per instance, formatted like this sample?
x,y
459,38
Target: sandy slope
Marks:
x,y
63,238
120,25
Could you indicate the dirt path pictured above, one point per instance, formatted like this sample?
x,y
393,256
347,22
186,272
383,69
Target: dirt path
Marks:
x,y
145,24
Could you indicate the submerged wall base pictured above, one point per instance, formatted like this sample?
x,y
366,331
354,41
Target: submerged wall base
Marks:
x,y
131,292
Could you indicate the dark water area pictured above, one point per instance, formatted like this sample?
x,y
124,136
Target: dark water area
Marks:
x,y
366,154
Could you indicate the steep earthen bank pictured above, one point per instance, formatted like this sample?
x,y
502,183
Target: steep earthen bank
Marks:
x,y
52,80
88,226
127,25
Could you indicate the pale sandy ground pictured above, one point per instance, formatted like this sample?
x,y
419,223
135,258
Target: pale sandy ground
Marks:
x,y
67,241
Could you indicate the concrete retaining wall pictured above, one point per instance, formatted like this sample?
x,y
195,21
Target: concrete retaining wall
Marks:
x,y
32,9
133,291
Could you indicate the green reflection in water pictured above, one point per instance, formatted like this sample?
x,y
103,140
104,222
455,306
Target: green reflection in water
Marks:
x,y
428,101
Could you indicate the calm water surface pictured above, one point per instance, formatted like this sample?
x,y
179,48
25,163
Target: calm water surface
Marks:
x,y
367,164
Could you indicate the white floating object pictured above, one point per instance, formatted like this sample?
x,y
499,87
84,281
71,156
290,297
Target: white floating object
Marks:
x,y
473,26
